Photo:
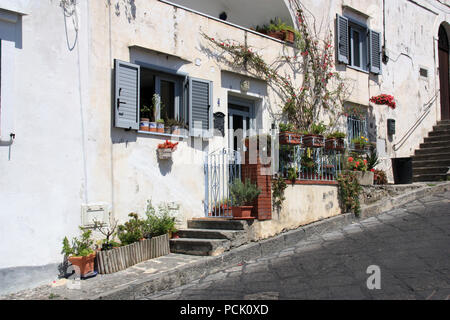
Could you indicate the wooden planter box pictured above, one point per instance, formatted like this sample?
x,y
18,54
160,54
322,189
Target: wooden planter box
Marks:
x,y
361,146
276,34
120,258
164,154
313,141
334,144
290,138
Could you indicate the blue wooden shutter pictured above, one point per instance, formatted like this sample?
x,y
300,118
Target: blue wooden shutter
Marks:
x,y
375,51
200,102
342,39
126,105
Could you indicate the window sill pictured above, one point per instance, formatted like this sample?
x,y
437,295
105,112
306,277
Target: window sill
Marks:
x,y
358,69
160,134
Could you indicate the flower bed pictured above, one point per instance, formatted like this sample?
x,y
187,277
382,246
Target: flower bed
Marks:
x,y
110,261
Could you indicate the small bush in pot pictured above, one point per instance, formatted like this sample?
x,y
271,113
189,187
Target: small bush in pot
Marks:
x,y
242,195
80,252
132,230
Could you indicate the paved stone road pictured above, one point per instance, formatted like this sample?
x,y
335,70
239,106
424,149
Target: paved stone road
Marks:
x,y
411,245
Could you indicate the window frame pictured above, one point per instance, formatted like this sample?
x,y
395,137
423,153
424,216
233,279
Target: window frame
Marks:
x,y
181,102
364,55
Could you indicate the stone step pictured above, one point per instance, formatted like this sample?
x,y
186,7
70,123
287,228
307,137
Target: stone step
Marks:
x,y
210,233
438,138
432,151
217,224
430,177
443,122
199,247
437,133
429,170
439,144
443,163
441,128
431,156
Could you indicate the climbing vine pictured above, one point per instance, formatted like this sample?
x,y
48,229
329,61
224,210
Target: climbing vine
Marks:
x,y
322,90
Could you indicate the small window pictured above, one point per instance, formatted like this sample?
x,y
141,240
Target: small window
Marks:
x,y
169,88
358,47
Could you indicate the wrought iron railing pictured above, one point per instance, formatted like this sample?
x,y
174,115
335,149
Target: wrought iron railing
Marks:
x,y
310,164
356,128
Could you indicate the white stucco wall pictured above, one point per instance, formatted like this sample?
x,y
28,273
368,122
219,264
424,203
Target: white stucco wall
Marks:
x,y
44,86
57,99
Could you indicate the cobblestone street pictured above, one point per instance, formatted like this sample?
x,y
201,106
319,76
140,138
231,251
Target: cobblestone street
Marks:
x,y
411,246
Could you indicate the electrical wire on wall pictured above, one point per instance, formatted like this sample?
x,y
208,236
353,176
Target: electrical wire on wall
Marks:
x,y
70,12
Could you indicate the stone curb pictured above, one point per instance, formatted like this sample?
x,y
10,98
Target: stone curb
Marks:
x,y
254,250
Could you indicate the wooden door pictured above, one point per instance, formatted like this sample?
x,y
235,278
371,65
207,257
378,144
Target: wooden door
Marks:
x,y
444,74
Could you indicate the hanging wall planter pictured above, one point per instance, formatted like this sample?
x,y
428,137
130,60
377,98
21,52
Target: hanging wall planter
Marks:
x,y
166,149
313,141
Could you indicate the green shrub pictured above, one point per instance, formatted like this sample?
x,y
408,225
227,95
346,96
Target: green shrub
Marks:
x,y
132,230
243,194
349,191
158,222
318,128
79,247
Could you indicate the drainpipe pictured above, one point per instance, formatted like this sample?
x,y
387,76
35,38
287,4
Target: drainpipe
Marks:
x,y
8,143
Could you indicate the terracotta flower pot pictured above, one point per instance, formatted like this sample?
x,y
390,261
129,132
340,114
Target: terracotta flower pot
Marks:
x,y
152,127
334,144
84,265
160,127
144,124
287,137
313,141
276,34
289,36
242,212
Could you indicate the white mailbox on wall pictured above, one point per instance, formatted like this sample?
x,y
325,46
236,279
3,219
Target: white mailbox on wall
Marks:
x,y
91,212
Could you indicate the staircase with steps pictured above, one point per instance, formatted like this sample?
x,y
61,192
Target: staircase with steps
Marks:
x,y
432,161
210,237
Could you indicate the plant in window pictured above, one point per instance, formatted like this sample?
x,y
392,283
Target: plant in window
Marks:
x,y
145,115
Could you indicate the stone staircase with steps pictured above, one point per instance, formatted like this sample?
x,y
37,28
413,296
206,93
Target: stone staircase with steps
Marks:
x,y
210,237
432,161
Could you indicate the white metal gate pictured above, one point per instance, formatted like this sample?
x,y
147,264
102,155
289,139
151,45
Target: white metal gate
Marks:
x,y
221,168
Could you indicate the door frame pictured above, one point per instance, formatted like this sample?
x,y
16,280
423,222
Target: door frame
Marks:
x,y
444,77
251,114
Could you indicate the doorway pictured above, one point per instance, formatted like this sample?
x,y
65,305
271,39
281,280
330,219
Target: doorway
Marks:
x,y
444,73
241,121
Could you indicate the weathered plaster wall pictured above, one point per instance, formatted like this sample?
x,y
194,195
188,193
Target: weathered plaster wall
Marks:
x,y
304,204
129,158
43,182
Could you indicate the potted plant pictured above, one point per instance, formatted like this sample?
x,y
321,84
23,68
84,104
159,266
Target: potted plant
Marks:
x,y
288,134
335,141
309,166
155,104
242,195
80,253
314,137
165,149
144,123
160,125
361,143
359,167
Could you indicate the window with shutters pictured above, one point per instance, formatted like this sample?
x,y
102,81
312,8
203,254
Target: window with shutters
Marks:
x,y
358,46
160,95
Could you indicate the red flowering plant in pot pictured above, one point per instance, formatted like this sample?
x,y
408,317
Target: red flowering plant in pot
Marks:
x,y
242,196
80,253
360,168
165,149
384,99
